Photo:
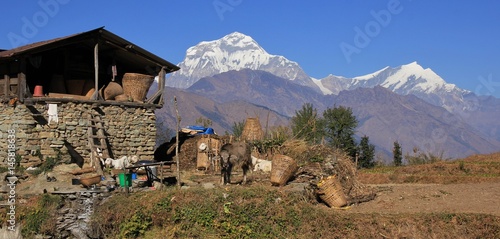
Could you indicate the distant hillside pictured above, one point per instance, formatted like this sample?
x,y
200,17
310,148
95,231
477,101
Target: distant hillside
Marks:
x,y
223,115
257,87
386,117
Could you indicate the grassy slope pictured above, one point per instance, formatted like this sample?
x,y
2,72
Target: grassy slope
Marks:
x,y
268,212
263,212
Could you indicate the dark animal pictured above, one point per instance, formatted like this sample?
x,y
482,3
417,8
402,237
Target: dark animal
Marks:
x,y
232,155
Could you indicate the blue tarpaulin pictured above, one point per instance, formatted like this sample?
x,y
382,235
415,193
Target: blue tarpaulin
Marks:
x,y
199,129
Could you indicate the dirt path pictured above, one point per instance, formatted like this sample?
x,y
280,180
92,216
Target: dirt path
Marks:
x,y
430,198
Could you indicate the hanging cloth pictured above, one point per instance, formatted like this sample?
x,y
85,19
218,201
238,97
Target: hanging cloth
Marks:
x,y
53,113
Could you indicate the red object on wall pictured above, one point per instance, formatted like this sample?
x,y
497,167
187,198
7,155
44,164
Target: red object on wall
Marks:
x,y
38,91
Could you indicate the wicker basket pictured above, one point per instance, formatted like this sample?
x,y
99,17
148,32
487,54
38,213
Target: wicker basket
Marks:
x,y
252,130
136,85
331,192
282,169
89,181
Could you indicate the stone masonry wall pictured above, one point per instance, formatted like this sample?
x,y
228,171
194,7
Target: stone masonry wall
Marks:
x,y
130,131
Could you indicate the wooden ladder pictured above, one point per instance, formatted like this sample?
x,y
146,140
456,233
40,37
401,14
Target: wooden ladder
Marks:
x,y
97,141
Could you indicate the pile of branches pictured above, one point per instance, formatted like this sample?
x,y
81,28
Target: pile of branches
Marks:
x,y
320,161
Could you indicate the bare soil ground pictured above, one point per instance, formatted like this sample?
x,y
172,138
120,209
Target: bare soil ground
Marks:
x,y
470,185
433,198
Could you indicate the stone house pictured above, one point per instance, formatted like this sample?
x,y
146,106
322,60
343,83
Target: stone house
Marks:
x,y
79,98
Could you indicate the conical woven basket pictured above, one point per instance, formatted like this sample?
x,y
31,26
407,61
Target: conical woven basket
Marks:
x,y
136,85
252,130
282,169
331,192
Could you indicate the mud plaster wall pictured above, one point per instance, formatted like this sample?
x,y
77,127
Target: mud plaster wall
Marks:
x,y
130,131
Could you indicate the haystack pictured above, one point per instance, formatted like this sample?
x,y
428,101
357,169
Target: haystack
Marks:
x,y
252,130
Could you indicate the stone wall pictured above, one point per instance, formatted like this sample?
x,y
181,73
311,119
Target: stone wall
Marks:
x,y
129,130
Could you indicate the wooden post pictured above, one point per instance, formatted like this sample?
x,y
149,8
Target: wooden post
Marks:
x,y
177,143
7,86
21,87
95,96
158,95
161,81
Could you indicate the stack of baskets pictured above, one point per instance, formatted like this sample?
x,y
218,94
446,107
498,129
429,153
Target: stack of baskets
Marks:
x,y
136,85
331,192
282,169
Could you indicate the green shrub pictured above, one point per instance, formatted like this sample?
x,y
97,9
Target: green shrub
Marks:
x,y
136,226
40,218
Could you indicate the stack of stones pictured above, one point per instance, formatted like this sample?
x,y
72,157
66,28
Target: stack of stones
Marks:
x,y
73,219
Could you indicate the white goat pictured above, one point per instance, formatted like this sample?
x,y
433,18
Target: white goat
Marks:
x,y
120,163
263,165
254,160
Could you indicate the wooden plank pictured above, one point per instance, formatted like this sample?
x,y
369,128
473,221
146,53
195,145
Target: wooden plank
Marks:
x,y
14,81
67,96
2,84
158,95
21,87
6,86
89,101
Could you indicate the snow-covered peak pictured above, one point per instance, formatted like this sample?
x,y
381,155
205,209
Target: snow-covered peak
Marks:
x,y
234,51
233,42
241,40
406,79
370,76
414,75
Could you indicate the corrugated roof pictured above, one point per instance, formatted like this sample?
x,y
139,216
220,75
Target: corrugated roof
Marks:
x,y
98,34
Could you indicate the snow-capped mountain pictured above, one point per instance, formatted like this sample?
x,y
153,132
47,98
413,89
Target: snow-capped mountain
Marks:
x,y
404,80
238,51
235,51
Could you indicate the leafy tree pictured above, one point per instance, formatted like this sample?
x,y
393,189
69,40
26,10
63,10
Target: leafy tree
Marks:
x,y
366,153
339,126
238,128
397,154
306,124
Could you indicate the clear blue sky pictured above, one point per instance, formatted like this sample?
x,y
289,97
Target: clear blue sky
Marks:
x,y
459,40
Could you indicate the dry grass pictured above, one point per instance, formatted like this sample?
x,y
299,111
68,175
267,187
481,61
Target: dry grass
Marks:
x,y
473,169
